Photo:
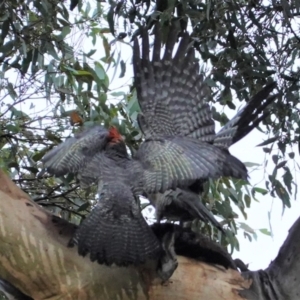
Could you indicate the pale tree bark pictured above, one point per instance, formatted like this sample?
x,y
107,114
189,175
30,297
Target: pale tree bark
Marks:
x,y
34,257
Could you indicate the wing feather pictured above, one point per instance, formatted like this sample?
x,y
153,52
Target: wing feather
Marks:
x,y
172,94
115,230
169,162
72,155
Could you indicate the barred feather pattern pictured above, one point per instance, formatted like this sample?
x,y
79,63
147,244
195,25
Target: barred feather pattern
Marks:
x,y
248,118
172,94
174,100
115,230
75,152
178,152
171,162
160,164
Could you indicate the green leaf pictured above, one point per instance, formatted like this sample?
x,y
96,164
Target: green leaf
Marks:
x,y
210,82
39,155
31,169
34,66
4,29
268,141
82,73
250,164
281,147
110,19
117,94
260,190
65,31
234,243
91,52
265,231
83,207
52,137
282,193
281,164
116,65
123,68
63,22
26,62
246,227
99,71
18,113
106,46
7,48
288,179
248,236
247,200
275,159
51,50
13,128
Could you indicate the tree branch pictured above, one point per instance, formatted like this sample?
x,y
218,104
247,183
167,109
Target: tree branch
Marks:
x,y
281,279
34,257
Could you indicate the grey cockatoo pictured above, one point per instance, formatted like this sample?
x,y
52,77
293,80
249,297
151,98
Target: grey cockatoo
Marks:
x,y
175,101
180,150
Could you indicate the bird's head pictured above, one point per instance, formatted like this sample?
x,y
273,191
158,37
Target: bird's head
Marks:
x,y
114,136
116,142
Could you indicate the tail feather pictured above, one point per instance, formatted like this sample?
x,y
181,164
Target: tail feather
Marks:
x,y
246,119
172,95
182,205
233,167
115,232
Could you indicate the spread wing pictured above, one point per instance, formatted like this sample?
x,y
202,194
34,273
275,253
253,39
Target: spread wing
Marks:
x,y
115,230
171,92
174,99
75,153
171,162
90,155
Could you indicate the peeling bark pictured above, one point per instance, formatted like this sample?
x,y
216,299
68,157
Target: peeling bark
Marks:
x,y
34,257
